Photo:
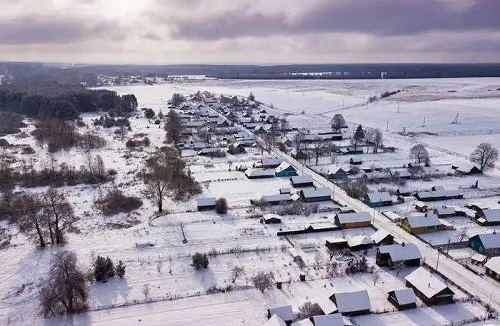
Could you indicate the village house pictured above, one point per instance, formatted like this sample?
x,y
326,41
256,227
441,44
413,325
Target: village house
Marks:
x,y
328,320
400,173
355,161
285,170
301,181
359,242
259,173
490,216
236,148
486,244
493,268
352,303
270,162
445,211
275,199
334,244
337,173
379,199
465,169
353,220
271,219
403,299
285,313
310,195
205,204
418,224
396,255
438,193
429,288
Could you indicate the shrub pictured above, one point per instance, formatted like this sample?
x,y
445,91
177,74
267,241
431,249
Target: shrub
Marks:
x,y
310,309
221,206
120,269
116,202
149,113
103,269
200,261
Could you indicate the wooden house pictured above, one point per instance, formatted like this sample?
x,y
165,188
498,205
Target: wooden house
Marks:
x,y
285,170
429,287
334,244
205,204
271,219
337,172
493,268
259,173
403,299
379,199
310,195
270,162
396,255
353,220
420,224
352,303
285,313
382,238
489,216
486,244
445,211
328,320
275,199
301,181
359,242
466,169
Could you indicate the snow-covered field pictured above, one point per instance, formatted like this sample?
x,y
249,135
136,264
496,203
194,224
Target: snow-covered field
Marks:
x,y
165,266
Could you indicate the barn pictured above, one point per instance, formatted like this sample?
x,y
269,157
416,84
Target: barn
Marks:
x,y
258,173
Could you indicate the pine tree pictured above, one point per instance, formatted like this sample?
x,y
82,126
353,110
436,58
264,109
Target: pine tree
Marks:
x,y
120,269
359,135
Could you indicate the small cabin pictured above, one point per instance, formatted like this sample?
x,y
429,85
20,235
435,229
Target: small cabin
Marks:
x,y
403,299
205,204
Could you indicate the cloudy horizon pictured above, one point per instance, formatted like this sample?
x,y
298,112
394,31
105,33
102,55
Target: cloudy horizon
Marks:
x,y
245,31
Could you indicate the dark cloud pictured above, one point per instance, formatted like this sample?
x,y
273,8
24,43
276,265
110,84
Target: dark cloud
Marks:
x,y
376,17
54,29
152,37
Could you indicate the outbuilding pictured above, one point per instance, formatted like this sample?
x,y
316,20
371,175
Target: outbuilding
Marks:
x,y
429,287
445,211
270,162
403,299
328,320
205,203
382,237
271,219
275,199
352,303
490,216
336,243
359,242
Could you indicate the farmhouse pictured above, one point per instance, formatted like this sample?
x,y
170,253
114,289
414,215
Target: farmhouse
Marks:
x,y
258,173
430,289
398,254
493,268
315,195
382,237
283,312
488,216
379,199
285,170
417,224
486,244
353,220
445,211
352,303
270,162
403,299
205,204
301,181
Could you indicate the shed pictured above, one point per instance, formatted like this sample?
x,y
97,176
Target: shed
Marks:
x,y
258,173
315,195
352,303
270,162
403,299
398,254
418,224
359,242
284,312
205,203
445,211
353,220
301,181
493,268
382,237
486,244
336,243
271,219
379,199
429,287
285,170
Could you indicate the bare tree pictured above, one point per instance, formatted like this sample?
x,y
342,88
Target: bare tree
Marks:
x,y
145,291
173,127
419,154
263,281
237,272
318,148
375,138
65,291
58,213
485,155
318,260
338,122
29,212
158,175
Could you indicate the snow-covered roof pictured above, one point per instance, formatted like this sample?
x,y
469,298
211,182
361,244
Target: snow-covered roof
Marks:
x,y
327,305
275,320
333,169
352,301
438,193
445,210
314,193
284,312
271,160
303,322
258,172
354,217
492,215
493,264
378,197
276,198
283,166
405,296
300,179
400,252
328,320
205,201
419,221
380,235
478,257
271,216
359,240
490,240
425,282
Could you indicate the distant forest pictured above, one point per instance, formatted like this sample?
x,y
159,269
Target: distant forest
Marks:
x,y
64,101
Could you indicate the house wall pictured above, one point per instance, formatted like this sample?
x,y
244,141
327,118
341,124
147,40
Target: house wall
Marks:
x,y
355,225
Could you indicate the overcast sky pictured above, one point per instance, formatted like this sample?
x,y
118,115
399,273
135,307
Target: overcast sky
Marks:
x,y
250,31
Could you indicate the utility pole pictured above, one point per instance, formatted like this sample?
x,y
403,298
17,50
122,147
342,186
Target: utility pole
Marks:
x,y
437,263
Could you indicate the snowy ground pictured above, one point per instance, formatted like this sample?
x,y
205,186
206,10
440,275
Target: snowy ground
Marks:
x,y
240,239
